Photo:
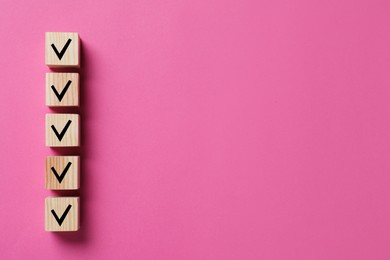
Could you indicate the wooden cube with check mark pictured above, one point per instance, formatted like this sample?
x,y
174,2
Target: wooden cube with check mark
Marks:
x,y
62,130
62,89
62,49
62,172
62,214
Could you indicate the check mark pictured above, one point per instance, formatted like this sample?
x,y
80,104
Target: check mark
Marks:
x,y
62,218
61,54
61,177
61,95
61,135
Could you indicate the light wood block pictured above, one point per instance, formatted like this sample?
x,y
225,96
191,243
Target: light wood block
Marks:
x,y
62,130
62,89
62,172
62,49
62,214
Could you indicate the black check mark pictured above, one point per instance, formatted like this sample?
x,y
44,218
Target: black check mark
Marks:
x,y
61,135
61,54
61,95
62,218
61,177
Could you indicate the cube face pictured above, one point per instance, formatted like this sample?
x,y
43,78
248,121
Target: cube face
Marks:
x,y
62,130
62,49
62,214
62,89
62,173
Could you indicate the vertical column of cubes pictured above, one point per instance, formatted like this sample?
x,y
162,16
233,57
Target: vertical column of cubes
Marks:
x,y
62,130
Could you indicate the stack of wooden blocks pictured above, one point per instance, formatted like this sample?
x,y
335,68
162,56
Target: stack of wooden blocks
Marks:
x,y
62,130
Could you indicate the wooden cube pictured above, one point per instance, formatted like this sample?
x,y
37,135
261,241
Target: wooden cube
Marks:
x,y
62,172
62,49
62,214
62,130
62,89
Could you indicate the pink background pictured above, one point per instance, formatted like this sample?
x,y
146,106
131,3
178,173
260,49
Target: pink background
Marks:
x,y
211,129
